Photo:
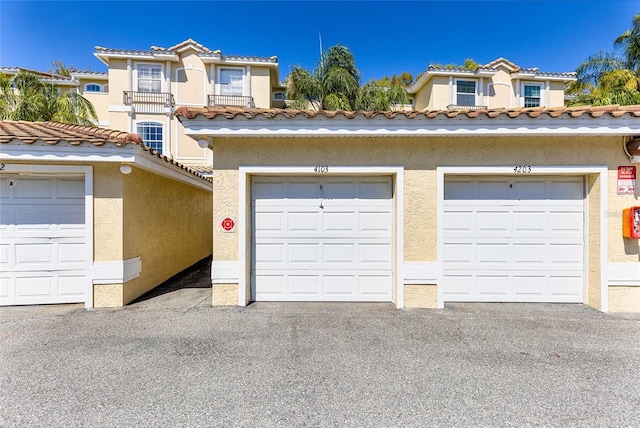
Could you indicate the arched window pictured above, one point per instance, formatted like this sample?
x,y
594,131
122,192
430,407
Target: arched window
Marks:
x,y
151,134
92,87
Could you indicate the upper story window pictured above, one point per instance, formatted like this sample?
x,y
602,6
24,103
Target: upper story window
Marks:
x,y
149,77
532,95
466,92
231,81
278,96
92,87
151,134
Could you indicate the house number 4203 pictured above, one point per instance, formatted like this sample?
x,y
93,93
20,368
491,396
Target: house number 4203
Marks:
x,y
522,169
321,169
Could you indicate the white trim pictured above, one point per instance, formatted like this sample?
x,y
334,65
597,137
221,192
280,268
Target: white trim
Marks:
x,y
223,272
116,271
131,153
147,161
136,123
245,172
543,93
120,108
573,170
224,67
136,66
420,273
455,90
623,274
103,123
87,171
401,126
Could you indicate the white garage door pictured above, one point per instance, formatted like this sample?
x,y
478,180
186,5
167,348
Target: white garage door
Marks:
x,y
513,240
328,240
42,240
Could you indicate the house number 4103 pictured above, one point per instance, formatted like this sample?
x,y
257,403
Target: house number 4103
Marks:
x,y
321,169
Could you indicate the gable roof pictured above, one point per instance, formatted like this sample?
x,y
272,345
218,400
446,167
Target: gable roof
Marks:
x,y
56,135
490,69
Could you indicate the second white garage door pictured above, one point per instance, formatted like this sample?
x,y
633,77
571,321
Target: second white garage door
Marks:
x,y
322,240
513,239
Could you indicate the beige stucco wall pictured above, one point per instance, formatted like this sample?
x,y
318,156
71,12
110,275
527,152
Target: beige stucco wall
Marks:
x,y
498,90
420,158
261,86
167,224
190,80
224,295
164,222
624,299
108,212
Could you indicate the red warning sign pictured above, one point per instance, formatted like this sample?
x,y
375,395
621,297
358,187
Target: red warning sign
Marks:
x,y
228,224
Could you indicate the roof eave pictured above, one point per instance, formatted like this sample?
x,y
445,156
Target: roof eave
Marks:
x,y
460,126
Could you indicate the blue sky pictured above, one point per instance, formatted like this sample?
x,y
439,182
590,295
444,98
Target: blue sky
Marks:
x,y
386,37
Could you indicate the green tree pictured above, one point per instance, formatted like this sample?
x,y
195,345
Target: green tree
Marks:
x,y
24,96
608,77
335,85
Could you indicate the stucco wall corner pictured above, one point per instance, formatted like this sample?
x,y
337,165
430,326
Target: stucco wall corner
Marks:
x,y
420,296
224,295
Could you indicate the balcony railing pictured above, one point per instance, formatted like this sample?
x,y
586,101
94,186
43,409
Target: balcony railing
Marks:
x,y
231,101
461,107
145,98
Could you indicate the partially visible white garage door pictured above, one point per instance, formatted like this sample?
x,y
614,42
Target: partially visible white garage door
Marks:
x,y
513,240
42,239
322,240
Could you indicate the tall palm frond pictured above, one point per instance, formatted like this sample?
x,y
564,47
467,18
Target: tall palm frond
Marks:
x,y
630,42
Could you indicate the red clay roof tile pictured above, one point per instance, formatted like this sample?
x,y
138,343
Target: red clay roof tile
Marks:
x,y
554,112
53,133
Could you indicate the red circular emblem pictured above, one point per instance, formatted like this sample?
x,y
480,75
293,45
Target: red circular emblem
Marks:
x,y
227,224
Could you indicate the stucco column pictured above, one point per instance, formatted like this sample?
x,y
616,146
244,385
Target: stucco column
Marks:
x,y
129,75
248,85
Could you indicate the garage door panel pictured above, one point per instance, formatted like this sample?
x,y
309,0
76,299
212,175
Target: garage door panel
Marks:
x,y
308,285
339,222
328,234
493,285
303,222
512,249
29,187
303,253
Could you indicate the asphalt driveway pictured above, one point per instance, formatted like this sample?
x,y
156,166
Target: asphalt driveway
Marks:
x,y
172,360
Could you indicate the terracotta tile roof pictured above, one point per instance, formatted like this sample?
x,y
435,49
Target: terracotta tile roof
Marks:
x,y
569,112
54,133
502,60
42,74
202,169
203,52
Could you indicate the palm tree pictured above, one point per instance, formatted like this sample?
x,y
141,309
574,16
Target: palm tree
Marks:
x,y
24,96
609,78
335,85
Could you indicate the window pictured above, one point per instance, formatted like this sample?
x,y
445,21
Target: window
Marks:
x,y
278,96
149,78
151,134
92,87
231,81
465,93
532,95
